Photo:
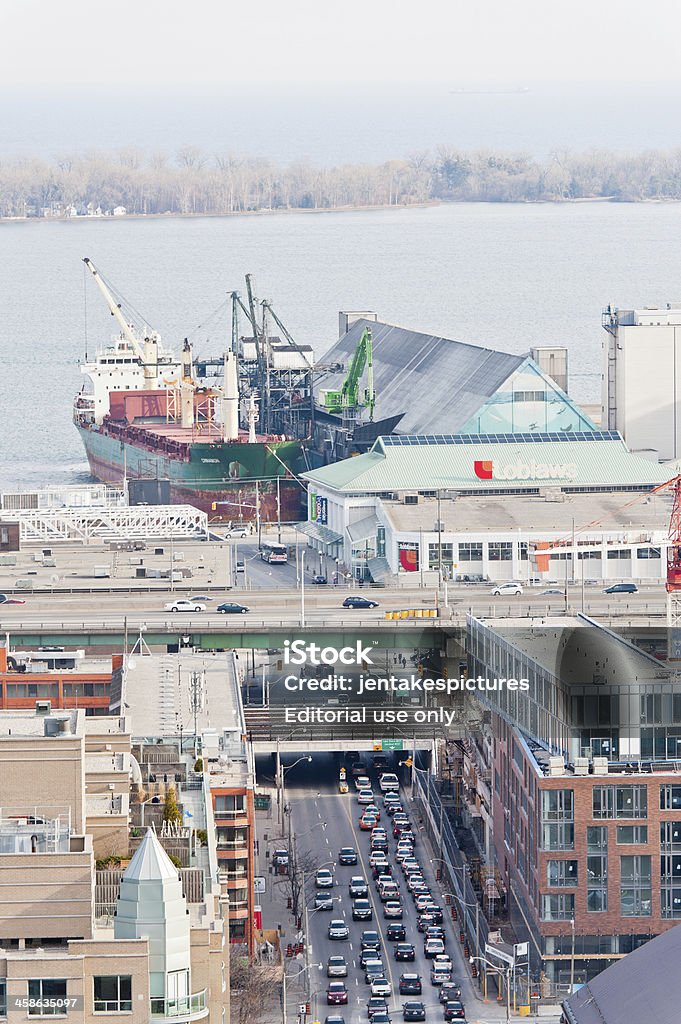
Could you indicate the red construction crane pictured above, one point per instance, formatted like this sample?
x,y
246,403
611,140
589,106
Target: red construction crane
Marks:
x,y
674,550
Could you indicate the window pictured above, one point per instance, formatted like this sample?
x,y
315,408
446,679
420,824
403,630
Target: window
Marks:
x,y
562,872
619,553
48,996
559,907
529,396
500,551
470,552
231,838
636,895
597,869
447,555
620,802
670,798
523,551
557,811
3,997
648,553
233,804
632,834
670,837
113,993
380,541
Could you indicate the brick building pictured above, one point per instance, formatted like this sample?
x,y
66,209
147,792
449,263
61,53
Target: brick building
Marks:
x,y
582,788
67,679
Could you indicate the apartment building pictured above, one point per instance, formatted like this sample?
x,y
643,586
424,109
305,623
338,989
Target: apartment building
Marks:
x,y
231,778
159,957
579,780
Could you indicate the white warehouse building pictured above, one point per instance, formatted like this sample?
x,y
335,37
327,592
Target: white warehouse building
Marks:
x,y
641,394
499,507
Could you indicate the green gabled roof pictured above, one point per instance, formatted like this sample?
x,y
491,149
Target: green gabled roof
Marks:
x,y
439,462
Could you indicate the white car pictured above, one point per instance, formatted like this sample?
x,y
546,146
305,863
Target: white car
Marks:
x,y
507,590
238,531
185,606
365,796
380,986
389,782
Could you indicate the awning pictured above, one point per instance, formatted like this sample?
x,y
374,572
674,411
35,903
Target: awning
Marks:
x,y
363,529
322,534
379,569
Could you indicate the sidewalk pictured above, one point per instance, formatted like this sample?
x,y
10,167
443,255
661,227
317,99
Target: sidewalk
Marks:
x,y
276,916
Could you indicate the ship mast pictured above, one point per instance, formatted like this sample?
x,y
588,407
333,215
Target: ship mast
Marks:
x,y
146,353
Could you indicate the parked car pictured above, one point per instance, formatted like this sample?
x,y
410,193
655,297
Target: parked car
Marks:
x,y
507,590
183,605
622,588
336,967
359,602
232,608
410,985
280,857
347,855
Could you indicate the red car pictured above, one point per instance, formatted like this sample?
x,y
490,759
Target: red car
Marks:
x,y
366,823
336,993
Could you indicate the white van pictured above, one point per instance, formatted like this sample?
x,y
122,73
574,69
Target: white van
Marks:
x,y
389,781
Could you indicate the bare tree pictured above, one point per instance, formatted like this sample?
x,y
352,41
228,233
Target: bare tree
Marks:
x,y
251,986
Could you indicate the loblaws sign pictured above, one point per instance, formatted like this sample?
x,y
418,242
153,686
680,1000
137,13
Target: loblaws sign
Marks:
x,y
488,470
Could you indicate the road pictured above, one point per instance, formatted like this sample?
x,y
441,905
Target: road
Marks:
x,y
312,794
323,605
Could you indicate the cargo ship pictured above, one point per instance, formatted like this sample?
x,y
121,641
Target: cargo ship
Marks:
x,y
147,425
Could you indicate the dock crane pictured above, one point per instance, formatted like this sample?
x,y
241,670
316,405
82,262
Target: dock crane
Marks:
x,y
348,399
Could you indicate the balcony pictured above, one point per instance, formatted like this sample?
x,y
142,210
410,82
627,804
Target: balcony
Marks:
x,y
187,1007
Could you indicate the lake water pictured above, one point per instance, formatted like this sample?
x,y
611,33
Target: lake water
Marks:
x,y
504,276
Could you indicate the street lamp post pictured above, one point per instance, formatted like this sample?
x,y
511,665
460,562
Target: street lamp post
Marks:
x,y
572,957
283,768
507,972
302,590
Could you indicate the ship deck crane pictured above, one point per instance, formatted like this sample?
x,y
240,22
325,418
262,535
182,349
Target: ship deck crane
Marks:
x,y
146,350
348,399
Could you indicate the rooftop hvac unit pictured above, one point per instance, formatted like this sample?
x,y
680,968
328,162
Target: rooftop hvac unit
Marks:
x,y
581,766
411,499
556,766
43,707
600,765
439,525
552,494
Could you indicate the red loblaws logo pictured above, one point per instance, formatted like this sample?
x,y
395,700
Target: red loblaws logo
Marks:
x,y
483,470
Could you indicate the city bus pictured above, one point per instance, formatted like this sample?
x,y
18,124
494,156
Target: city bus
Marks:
x,y
274,553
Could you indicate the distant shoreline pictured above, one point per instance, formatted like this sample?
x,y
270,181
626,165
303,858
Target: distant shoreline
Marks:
x,y
381,207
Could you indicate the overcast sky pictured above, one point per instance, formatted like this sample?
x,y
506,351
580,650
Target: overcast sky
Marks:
x,y
248,41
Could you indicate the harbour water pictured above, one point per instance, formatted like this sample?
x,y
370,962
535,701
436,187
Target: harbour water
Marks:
x,y
504,276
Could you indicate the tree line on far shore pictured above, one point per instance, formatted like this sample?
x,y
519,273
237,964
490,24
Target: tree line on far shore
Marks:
x,y
130,181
